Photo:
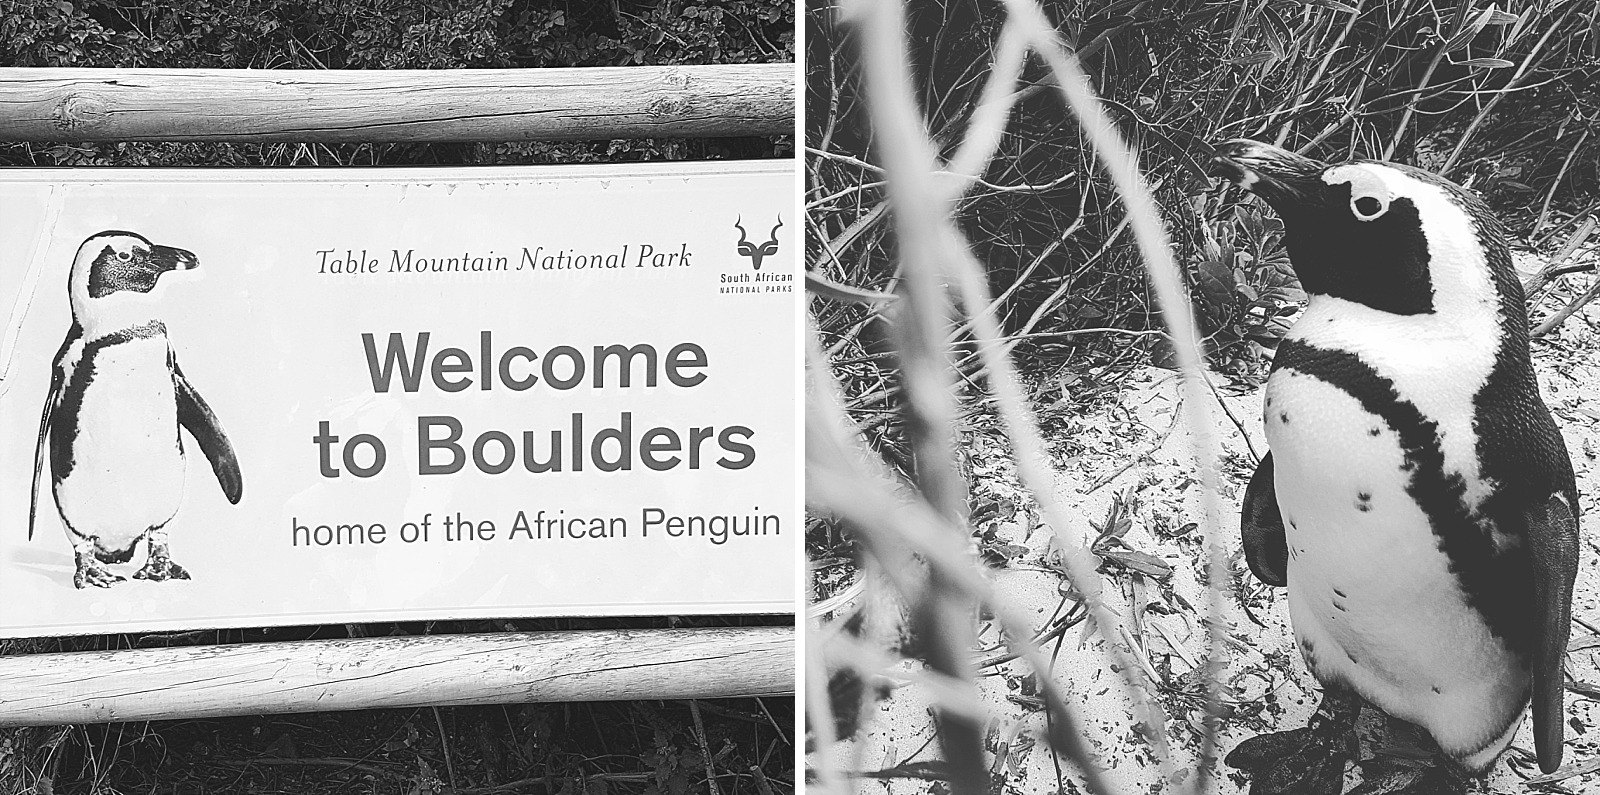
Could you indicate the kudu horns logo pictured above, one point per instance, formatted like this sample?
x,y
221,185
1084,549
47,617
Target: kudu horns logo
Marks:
x,y
754,252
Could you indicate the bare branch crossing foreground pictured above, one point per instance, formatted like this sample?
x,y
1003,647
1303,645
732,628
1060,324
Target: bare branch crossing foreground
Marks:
x,y
934,254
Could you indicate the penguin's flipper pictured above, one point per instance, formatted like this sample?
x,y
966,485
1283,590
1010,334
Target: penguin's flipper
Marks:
x,y
195,415
1553,548
1261,524
50,402
38,450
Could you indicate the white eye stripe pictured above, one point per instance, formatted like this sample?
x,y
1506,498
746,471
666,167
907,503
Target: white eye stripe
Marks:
x,y
1367,208
1372,187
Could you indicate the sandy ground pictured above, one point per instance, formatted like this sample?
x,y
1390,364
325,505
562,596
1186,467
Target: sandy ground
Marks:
x,y
1132,440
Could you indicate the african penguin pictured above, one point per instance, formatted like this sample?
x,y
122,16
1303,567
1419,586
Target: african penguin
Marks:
x,y
117,400
1418,500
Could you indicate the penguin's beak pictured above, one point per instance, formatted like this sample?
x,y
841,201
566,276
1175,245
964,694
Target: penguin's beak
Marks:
x,y
168,258
1274,174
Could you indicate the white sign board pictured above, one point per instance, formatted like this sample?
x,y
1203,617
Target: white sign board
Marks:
x,y
250,398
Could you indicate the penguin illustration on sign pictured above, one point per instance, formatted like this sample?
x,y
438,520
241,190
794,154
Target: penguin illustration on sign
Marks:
x,y
1418,501
111,423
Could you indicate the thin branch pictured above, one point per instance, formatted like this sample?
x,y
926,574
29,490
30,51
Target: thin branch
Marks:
x,y
941,613
1567,311
1122,166
1522,71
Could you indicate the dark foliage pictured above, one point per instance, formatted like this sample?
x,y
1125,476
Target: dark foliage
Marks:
x,y
1502,102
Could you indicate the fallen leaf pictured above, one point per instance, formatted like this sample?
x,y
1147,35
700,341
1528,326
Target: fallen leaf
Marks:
x,y
935,770
1130,558
1567,771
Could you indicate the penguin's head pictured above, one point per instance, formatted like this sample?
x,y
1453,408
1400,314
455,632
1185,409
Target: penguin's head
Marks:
x,y
114,272
1387,236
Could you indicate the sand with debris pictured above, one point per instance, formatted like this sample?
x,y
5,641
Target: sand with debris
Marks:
x,y
1132,446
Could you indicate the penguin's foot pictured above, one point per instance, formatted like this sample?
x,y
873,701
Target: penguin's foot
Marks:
x,y
158,569
1296,762
1309,761
1388,776
92,572
159,565
1410,763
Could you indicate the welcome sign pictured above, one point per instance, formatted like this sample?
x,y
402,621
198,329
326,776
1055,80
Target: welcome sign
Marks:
x,y
251,398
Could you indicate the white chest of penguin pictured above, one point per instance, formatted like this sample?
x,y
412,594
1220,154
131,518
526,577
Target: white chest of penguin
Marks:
x,y
1371,596
127,423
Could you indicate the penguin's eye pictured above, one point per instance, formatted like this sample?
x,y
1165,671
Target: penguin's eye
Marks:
x,y
1367,208
124,255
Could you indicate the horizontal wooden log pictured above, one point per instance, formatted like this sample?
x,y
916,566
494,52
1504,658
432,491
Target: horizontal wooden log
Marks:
x,y
370,673
70,105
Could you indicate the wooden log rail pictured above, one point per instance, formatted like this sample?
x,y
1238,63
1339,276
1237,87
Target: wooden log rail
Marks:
x,y
411,105
368,673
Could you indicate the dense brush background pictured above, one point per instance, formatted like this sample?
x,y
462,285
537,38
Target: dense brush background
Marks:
x,y
570,749
1500,98
1340,79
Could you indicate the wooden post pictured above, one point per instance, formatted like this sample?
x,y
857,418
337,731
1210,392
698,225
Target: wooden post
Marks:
x,y
413,105
367,673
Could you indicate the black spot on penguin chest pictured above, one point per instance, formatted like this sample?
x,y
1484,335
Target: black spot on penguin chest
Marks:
x,y
1495,581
